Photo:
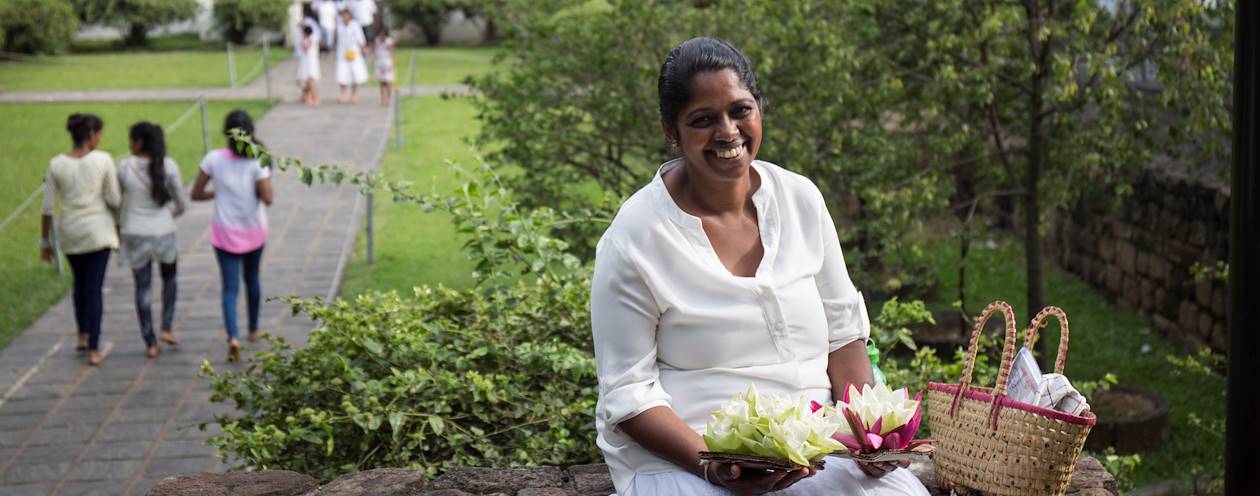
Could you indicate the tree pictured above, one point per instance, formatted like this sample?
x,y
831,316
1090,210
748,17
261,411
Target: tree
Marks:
x,y
135,16
429,15
1065,97
37,26
237,17
576,105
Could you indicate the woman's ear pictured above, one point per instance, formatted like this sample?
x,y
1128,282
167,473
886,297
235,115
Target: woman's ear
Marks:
x,y
670,134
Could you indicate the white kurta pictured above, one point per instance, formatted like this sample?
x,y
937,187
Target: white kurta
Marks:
x,y
351,69
673,327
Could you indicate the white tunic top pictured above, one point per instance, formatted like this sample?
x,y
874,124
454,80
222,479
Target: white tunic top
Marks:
x,y
673,327
89,192
141,215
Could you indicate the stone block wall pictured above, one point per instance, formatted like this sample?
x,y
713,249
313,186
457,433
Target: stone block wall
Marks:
x,y
1141,253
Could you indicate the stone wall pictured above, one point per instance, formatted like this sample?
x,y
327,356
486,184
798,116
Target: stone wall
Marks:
x,y
1088,479
1140,254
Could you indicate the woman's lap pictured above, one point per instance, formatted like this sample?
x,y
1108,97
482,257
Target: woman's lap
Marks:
x,y
841,477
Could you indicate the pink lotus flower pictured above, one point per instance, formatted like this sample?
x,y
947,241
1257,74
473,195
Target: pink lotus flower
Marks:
x,y
879,419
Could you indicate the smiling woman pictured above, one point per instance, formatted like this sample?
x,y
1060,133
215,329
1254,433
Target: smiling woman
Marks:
x,y
724,271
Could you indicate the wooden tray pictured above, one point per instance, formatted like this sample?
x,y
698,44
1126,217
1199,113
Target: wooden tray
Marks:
x,y
755,461
923,452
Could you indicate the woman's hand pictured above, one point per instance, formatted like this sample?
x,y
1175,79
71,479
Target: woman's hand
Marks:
x,y
753,480
880,469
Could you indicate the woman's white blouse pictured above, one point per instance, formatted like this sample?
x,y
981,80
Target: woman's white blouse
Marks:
x,y
673,327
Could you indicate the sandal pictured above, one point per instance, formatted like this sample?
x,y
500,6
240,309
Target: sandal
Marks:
x,y
95,358
152,351
234,350
168,337
83,343
254,336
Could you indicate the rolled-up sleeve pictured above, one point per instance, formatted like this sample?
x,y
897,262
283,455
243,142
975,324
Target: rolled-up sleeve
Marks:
x,y
624,317
847,320
50,194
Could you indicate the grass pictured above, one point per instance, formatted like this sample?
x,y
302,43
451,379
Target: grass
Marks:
x,y
1104,339
413,248
134,70
444,65
33,134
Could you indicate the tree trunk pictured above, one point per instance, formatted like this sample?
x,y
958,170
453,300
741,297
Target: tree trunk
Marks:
x,y
137,35
1032,217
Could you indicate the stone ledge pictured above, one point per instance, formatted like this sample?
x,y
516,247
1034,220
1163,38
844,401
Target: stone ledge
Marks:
x,y
1089,479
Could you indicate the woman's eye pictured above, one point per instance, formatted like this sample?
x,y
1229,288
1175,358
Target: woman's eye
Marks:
x,y
701,122
741,111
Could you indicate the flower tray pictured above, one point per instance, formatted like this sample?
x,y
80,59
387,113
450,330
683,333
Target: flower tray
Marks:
x,y
921,452
755,461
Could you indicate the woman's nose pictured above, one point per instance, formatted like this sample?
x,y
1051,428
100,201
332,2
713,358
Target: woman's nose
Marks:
x,y
727,129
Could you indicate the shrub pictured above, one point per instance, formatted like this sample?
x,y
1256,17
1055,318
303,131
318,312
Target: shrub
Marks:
x,y
37,26
498,375
135,16
236,17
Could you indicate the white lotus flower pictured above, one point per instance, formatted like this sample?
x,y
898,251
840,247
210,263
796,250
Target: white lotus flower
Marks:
x,y
773,426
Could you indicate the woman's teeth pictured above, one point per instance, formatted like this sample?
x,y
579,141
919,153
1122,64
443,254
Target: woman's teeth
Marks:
x,y
729,154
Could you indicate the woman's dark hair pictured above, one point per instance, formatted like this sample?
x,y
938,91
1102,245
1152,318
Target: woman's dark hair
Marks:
x,y
695,56
153,143
238,119
81,127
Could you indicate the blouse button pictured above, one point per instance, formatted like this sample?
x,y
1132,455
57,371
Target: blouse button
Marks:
x,y
779,327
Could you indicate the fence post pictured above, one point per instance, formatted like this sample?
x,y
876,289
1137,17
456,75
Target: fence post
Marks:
x,y
398,141
412,78
267,64
205,127
370,231
231,67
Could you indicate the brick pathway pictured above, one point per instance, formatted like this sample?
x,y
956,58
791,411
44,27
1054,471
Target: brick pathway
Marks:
x,y
66,428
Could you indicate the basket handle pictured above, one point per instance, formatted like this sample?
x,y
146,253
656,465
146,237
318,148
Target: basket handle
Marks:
x,y
973,346
1038,322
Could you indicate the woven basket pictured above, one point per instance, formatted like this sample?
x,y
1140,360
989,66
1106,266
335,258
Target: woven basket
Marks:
x,y
988,443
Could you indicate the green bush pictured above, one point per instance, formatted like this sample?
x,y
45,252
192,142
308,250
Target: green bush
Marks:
x,y
502,374
236,17
37,26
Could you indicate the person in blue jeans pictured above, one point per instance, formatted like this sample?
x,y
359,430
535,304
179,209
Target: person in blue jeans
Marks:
x,y
238,230
86,183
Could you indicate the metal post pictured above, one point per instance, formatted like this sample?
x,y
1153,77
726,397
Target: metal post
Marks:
x,y
205,126
411,80
1241,429
370,248
231,67
398,141
267,64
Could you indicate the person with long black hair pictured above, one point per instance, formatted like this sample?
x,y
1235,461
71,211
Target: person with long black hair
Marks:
x,y
238,230
87,183
153,195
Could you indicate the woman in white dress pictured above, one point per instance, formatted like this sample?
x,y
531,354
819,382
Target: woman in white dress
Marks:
x,y
351,69
723,271
308,66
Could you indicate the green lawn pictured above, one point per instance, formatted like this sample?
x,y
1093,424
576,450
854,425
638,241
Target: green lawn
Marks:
x,y
414,248
1104,339
134,70
443,65
30,135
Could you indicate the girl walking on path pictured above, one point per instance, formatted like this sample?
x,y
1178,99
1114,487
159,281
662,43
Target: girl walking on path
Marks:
x,y
308,66
153,195
351,70
238,230
87,183
383,48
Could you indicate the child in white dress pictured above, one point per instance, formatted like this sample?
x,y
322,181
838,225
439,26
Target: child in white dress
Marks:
x,y
383,46
308,67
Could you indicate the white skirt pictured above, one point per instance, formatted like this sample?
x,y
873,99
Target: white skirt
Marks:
x,y
839,477
351,71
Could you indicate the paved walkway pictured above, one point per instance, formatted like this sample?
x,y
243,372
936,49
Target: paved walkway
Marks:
x,y
282,86
66,428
